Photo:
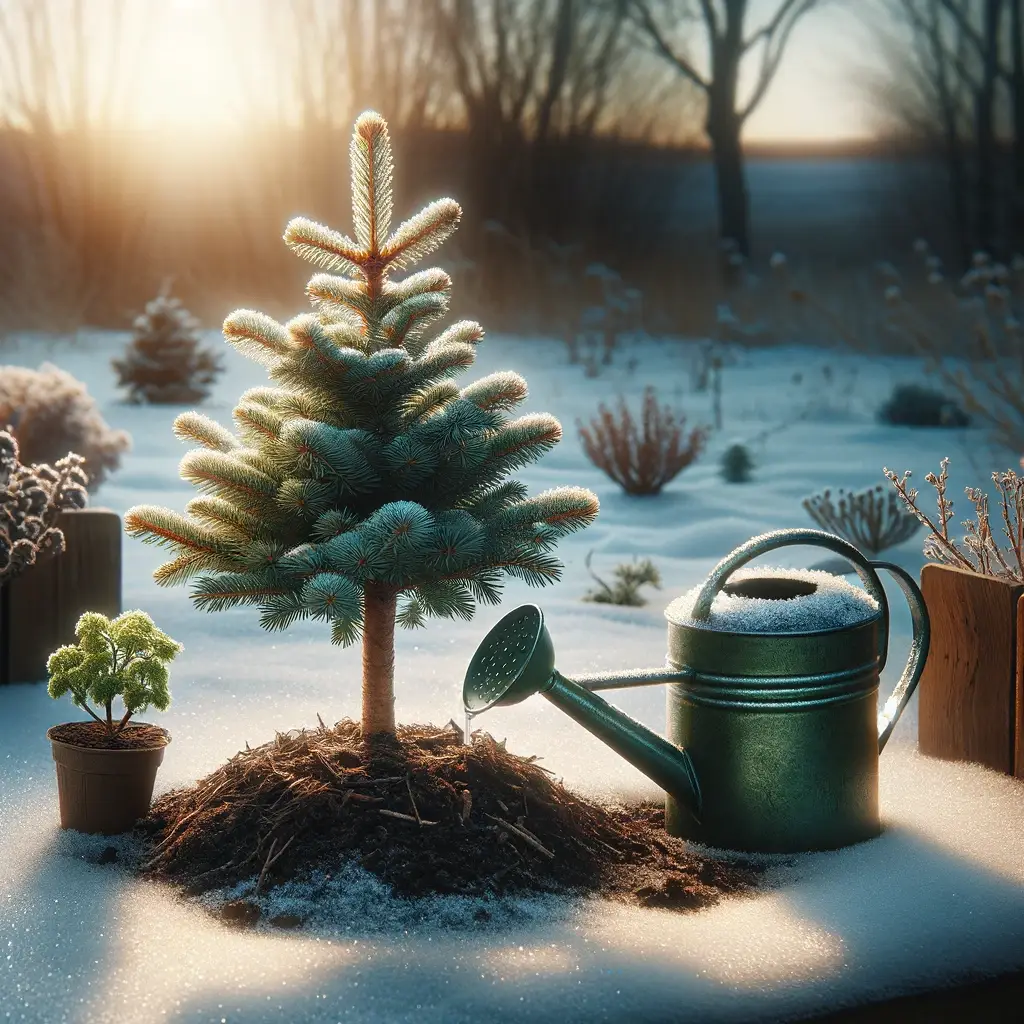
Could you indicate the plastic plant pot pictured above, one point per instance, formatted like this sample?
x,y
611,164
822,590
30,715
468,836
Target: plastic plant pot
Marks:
x,y
102,790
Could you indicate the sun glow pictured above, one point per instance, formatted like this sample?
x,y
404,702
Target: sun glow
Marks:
x,y
193,72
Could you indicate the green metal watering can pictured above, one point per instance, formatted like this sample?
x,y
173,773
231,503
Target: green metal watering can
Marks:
x,y
773,738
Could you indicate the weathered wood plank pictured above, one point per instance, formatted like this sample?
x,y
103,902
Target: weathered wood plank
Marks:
x,y
44,603
967,697
1018,728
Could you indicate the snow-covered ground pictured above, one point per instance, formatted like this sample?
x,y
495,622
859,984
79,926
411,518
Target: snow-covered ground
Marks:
x,y
937,898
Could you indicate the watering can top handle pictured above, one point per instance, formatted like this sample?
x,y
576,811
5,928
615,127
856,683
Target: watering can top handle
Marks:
x,y
766,542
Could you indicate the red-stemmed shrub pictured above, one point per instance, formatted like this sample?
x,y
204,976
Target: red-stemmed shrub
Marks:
x,y
641,460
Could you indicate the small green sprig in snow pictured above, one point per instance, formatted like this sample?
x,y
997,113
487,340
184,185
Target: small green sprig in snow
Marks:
x,y
126,657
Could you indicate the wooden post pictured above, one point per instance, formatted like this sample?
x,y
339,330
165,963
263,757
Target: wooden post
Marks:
x,y
1018,732
970,694
41,606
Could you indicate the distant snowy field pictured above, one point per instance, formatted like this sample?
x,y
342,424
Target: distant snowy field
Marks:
x,y
939,897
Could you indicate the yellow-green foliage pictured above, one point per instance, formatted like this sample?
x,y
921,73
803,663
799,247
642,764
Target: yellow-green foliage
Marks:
x,y
126,657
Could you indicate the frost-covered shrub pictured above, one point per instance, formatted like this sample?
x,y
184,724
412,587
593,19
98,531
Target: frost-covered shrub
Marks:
x,y
870,520
165,361
978,550
641,463
31,500
51,413
913,405
737,464
625,590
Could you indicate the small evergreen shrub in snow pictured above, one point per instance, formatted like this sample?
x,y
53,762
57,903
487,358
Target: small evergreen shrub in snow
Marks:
x,y
165,361
51,413
366,489
977,551
913,405
625,590
870,520
31,500
737,464
641,460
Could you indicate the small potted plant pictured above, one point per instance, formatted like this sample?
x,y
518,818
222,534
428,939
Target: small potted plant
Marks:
x,y
106,768
971,694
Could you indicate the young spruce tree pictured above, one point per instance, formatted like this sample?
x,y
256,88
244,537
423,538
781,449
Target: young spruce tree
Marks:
x,y
366,488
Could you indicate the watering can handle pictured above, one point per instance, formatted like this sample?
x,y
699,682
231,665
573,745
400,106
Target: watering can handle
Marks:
x,y
766,542
890,713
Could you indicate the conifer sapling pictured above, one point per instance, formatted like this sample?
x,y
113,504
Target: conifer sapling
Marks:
x,y
366,488
165,362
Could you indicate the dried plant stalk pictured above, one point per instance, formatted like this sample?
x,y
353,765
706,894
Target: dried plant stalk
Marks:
x,y
641,464
978,551
873,520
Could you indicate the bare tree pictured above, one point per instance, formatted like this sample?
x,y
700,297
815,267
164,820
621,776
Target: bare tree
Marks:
x,y
63,68
547,92
528,72
985,117
331,60
335,58
1017,106
728,45
963,89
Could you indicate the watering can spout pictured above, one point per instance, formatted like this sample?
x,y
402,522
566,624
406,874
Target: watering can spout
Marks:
x,y
516,660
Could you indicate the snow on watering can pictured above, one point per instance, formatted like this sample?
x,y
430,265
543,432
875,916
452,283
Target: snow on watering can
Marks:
x,y
773,732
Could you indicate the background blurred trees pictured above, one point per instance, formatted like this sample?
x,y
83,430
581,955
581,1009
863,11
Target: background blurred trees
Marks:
x,y
70,216
958,90
728,43
571,131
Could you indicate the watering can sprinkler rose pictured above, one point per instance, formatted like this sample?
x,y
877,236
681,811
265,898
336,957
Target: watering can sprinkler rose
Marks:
x,y
773,737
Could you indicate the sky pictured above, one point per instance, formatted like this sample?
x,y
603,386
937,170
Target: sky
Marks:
x,y
818,95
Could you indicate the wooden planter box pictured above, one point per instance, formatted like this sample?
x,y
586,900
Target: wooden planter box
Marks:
x,y
971,696
39,609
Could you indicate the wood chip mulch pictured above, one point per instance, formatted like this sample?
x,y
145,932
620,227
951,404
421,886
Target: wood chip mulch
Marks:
x,y
426,813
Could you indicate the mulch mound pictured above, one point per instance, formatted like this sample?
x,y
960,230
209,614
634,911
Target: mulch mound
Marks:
x,y
426,814
95,736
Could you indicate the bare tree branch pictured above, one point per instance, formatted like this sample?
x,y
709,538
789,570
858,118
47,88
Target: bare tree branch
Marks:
x,y
773,38
661,45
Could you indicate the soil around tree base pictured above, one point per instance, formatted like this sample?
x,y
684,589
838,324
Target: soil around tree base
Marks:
x,y
427,814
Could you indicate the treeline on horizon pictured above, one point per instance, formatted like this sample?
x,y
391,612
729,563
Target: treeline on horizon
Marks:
x,y
522,249
575,150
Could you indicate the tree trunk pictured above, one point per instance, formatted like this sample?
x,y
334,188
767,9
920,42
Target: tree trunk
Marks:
x,y
733,201
379,604
952,140
1017,103
724,127
986,129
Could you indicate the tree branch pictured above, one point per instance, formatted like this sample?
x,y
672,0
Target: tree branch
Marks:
x,y
778,32
662,47
710,17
